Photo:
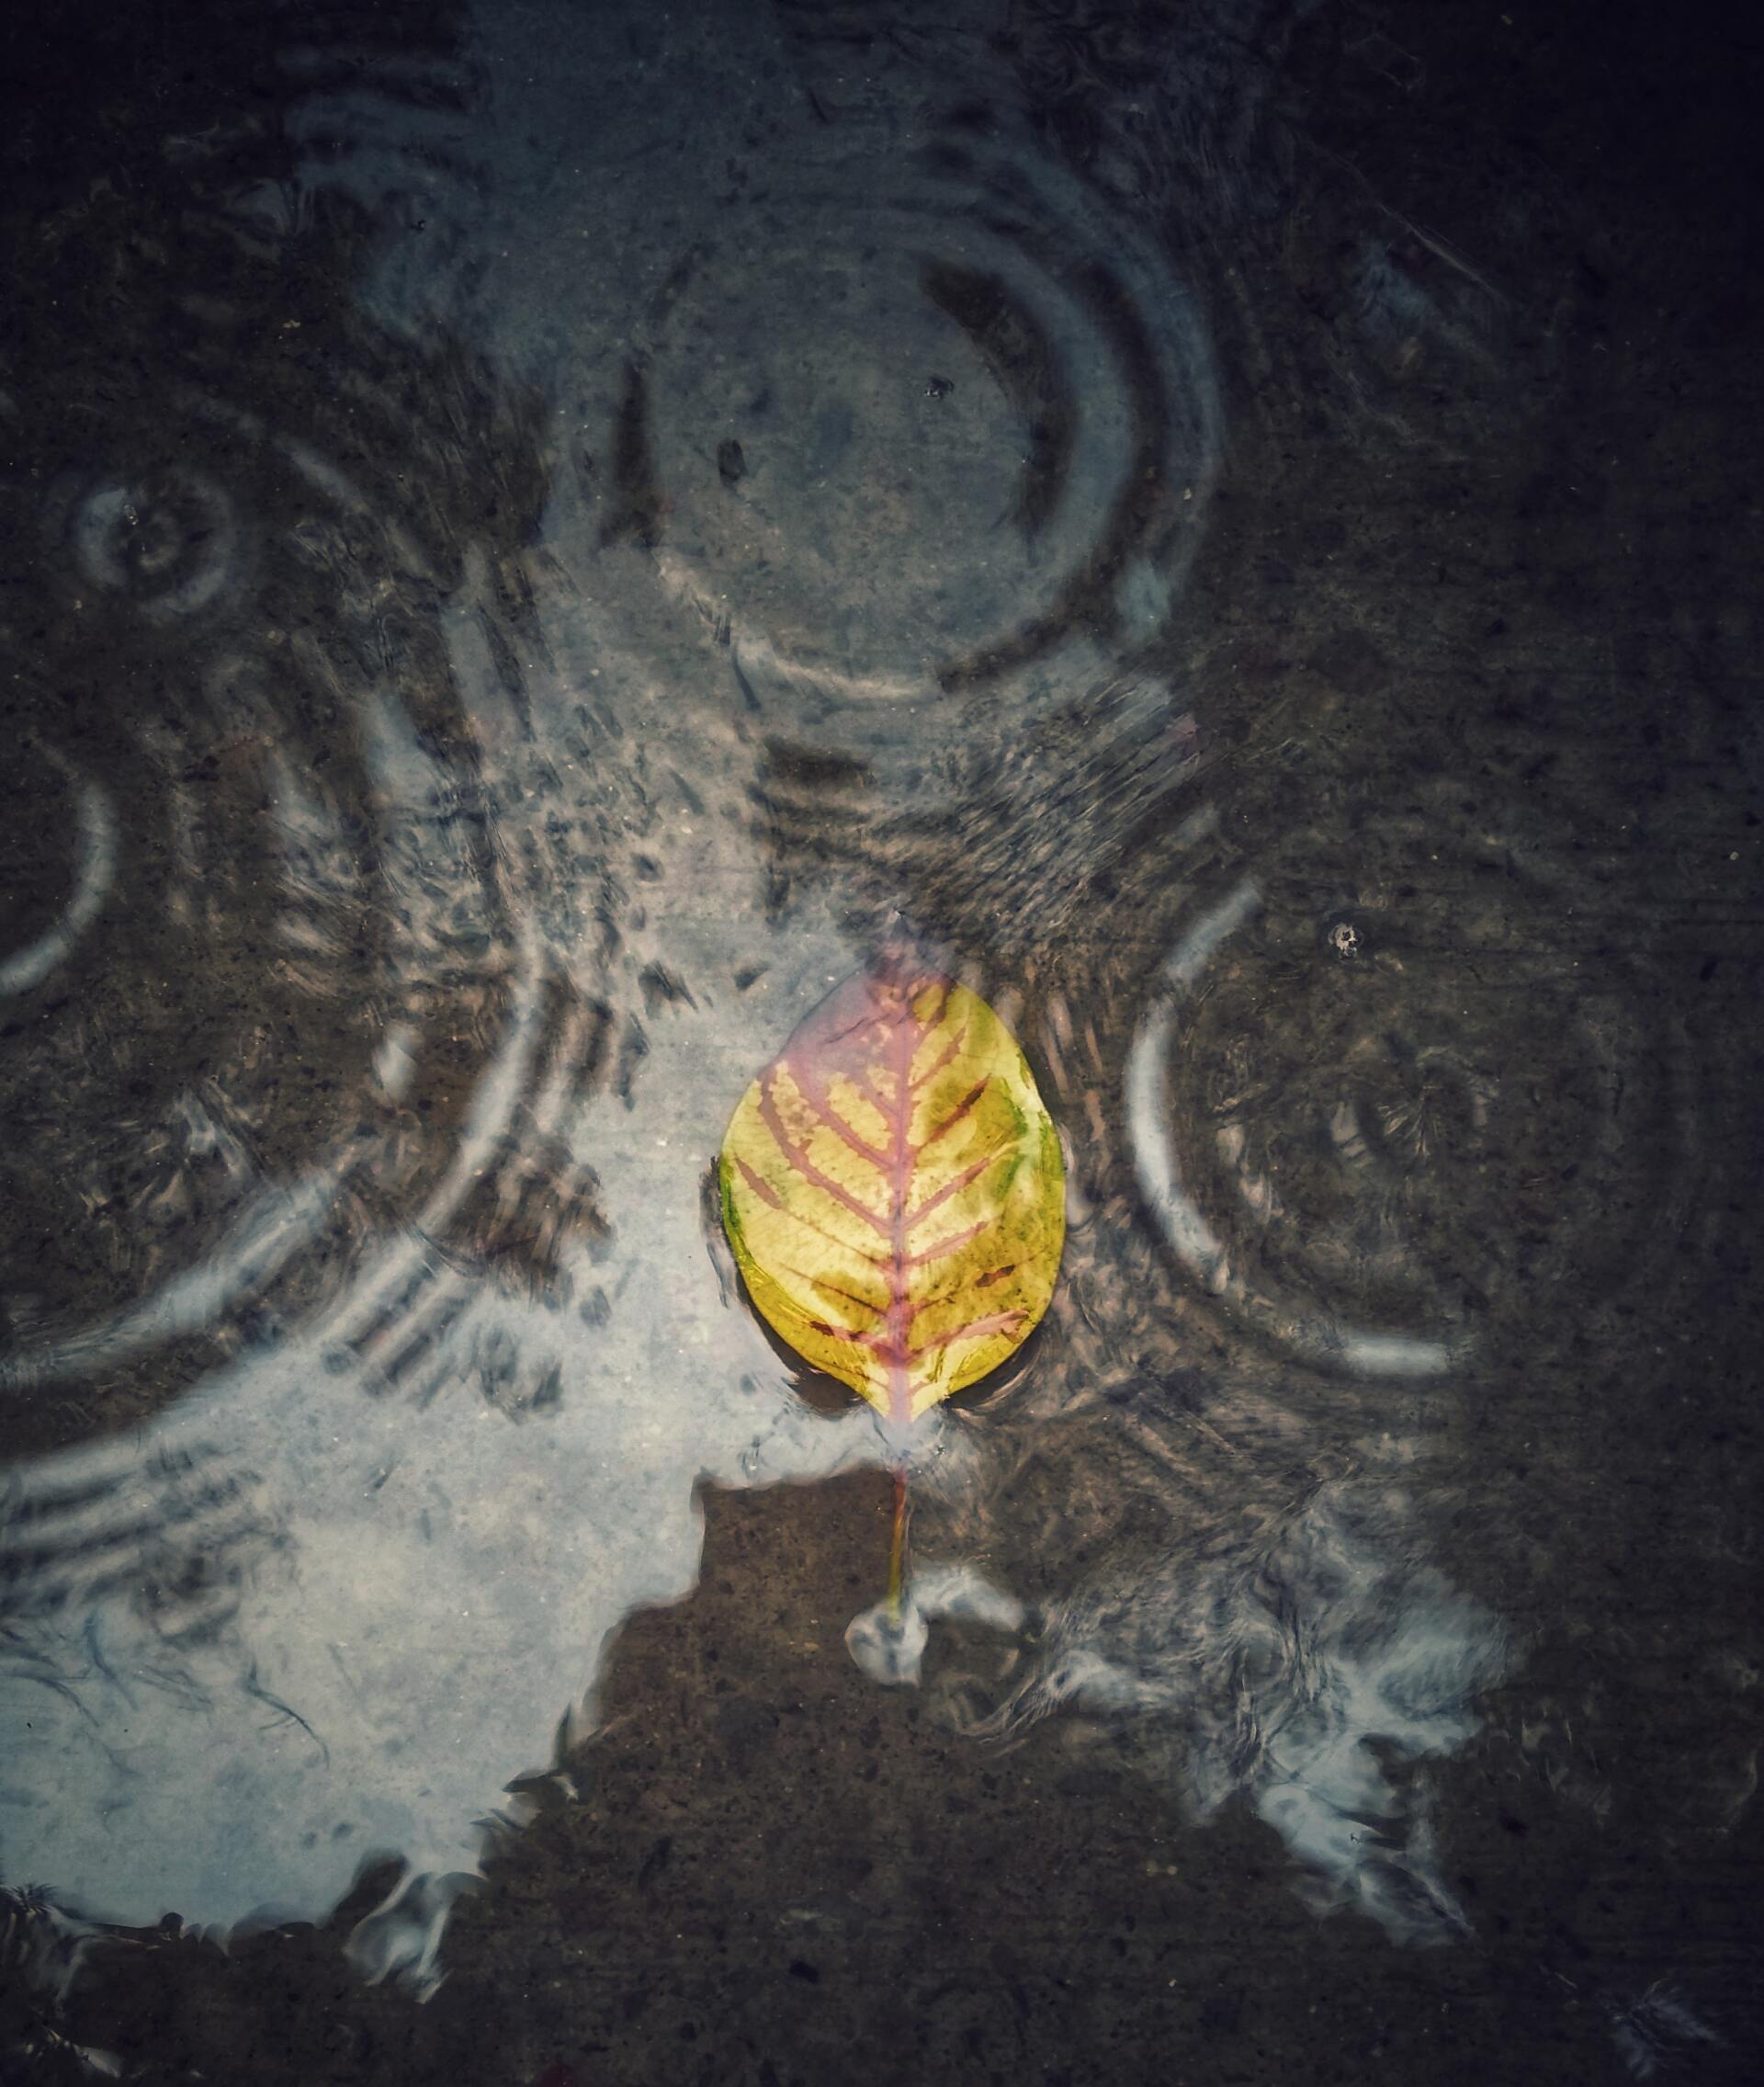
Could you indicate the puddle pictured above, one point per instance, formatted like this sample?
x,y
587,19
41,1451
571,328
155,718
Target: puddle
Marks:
x,y
538,541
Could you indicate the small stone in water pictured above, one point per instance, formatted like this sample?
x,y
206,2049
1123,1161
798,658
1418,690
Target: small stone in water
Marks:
x,y
889,1646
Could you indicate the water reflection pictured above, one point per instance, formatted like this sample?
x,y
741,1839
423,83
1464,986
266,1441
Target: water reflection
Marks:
x,y
1288,1663
470,699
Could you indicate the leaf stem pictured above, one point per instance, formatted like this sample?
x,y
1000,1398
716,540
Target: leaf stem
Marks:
x,y
897,1557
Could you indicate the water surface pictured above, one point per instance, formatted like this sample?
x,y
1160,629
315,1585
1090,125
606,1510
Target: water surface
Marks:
x,y
538,539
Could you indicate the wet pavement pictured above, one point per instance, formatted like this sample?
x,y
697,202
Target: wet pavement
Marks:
x,y
535,541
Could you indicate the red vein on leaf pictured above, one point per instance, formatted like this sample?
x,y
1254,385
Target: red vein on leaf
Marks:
x,y
832,1289
947,1245
773,1200
883,1108
873,1341
807,1168
976,1329
877,1261
837,1125
955,1187
963,1109
904,1040
764,1189
969,1282
931,1071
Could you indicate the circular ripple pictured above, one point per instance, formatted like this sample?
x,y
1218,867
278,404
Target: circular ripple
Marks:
x,y
164,536
911,429
51,897
266,991
1382,1126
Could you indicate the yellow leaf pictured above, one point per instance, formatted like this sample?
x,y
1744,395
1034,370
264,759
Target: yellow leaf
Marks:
x,y
893,1189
